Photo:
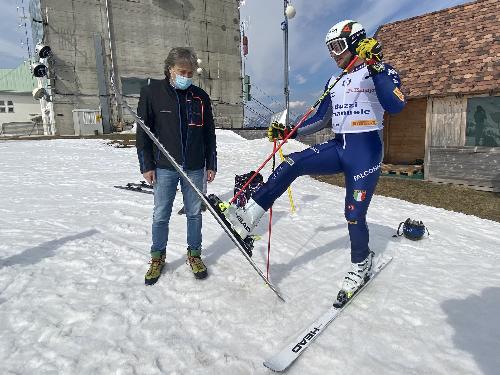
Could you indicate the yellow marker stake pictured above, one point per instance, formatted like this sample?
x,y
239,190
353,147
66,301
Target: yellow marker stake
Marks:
x,y
292,206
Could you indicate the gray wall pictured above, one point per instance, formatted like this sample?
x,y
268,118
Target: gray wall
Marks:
x,y
143,32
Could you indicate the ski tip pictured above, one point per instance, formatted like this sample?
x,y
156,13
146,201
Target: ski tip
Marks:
x,y
273,367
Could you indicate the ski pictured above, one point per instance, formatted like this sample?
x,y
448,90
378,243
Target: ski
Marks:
x,y
240,244
142,184
282,360
137,189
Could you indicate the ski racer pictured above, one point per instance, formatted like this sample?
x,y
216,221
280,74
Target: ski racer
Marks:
x,y
355,107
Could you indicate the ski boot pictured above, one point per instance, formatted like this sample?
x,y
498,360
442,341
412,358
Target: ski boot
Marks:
x,y
231,216
197,266
354,280
156,265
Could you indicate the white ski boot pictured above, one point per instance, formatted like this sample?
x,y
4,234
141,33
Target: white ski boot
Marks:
x,y
245,219
360,273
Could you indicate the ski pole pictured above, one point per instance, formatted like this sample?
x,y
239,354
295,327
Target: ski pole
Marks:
x,y
289,190
294,129
270,223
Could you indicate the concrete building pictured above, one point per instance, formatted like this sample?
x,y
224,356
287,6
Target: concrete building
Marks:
x,y
17,106
90,39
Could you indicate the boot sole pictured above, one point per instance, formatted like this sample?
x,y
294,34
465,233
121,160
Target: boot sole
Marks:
x,y
153,281
201,275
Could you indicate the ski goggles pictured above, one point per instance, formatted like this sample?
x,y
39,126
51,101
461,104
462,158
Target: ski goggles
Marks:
x,y
337,46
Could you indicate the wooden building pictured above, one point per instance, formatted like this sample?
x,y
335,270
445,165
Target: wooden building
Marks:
x,y
449,62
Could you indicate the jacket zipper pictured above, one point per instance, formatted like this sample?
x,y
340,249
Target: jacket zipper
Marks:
x,y
180,126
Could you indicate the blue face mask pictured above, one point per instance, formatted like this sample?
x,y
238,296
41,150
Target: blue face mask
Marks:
x,y
182,83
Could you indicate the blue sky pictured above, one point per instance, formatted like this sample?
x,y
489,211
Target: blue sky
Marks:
x,y
309,61
310,64
12,53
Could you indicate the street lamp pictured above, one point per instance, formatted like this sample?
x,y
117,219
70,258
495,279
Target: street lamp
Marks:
x,y
288,12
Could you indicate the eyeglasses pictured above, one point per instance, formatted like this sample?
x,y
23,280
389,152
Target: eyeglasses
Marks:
x,y
337,46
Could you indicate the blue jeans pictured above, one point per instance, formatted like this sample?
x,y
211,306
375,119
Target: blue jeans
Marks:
x,y
164,194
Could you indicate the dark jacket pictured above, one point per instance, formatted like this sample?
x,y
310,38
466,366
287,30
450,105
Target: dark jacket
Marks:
x,y
160,109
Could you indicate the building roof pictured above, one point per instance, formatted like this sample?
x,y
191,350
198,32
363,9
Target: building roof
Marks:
x,y
19,80
451,51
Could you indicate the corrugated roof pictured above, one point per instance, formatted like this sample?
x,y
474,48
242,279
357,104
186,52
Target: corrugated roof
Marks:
x,y
18,80
452,51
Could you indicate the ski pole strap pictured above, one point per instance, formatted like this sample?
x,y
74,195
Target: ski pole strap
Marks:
x,y
274,156
289,189
269,242
270,220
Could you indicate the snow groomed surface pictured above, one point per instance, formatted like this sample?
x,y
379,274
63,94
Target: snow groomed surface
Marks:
x,y
74,250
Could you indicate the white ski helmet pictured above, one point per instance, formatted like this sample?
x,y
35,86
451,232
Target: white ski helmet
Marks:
x,y
343,36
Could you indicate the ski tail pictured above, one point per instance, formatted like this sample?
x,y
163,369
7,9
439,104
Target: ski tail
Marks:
x,y
287,356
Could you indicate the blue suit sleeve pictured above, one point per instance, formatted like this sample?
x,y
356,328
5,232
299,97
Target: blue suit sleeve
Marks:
x,y
320,120
387,87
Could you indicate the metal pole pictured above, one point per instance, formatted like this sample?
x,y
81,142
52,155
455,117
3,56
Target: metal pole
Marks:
x,y
114,76
284,26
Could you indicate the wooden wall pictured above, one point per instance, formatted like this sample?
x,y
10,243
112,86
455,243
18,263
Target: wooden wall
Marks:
x,y
472,166
446,157
404,133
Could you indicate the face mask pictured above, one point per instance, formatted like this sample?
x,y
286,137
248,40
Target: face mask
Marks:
x,y
181,82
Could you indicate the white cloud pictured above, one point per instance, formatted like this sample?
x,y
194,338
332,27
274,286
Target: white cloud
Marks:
x,y
300,79
297,104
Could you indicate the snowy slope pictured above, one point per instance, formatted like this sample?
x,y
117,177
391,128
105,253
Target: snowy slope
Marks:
x,y
74,250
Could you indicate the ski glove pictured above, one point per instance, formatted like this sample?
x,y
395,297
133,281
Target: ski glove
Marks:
x,y
278,131
369,49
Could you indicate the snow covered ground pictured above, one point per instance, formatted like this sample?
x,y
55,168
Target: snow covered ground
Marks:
x,y
74,250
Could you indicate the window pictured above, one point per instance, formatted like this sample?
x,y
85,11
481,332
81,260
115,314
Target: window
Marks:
x,y
6,108
483,122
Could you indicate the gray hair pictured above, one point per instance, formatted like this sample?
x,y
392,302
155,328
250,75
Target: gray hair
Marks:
x,y
180,55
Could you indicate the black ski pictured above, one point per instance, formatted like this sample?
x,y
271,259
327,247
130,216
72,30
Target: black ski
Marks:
x,y
142,184
137,189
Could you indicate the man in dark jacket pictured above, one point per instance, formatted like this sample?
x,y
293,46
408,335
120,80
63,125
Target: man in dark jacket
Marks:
x,y
180,115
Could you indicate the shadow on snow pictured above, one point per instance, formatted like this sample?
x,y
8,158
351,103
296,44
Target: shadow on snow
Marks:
x,y
45,250
475,320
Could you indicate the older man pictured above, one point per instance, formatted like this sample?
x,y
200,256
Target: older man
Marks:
x,y
180,115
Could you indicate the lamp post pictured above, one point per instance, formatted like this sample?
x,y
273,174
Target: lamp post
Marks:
x,y
288,12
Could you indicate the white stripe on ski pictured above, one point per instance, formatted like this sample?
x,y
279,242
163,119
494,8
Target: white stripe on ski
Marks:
x,y
282,360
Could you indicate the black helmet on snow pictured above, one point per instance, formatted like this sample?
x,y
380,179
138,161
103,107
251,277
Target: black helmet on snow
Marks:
x,y
412,229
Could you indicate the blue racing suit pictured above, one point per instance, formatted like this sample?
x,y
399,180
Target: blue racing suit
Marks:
x,y
355,107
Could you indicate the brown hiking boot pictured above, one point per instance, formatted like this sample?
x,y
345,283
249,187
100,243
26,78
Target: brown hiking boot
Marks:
x,y
156,265
196,264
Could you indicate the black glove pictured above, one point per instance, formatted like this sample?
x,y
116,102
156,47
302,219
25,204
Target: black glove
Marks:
x,y
278,131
